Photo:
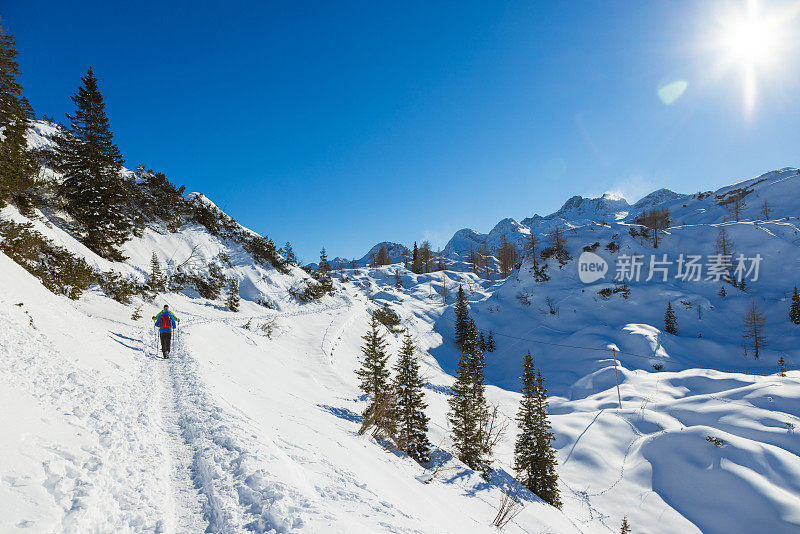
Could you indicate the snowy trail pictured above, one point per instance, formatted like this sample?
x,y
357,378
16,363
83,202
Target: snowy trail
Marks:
x,y
186,511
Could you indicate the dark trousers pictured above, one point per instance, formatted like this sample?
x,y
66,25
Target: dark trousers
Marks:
x,y
166,338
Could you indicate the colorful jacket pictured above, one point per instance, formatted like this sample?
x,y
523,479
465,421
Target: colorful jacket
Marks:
x,y
173,321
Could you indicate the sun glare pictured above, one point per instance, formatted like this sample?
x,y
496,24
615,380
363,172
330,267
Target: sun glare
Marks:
x,y
752,40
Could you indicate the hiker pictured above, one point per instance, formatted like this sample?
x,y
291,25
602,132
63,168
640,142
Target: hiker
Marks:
x,y
165,322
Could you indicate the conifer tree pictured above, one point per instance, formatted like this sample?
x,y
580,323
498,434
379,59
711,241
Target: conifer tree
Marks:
x,y
462,316
534,456
416,260
18,167
490,346
670,321
323,272
91,164
383,257
398,281
463,416
412,423
469,411
782,368
233,295
288,254
794,309
373,373
157,282
482,343
722,293
625,529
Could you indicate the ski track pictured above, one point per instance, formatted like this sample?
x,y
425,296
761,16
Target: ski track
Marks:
x,y
186,512
234,492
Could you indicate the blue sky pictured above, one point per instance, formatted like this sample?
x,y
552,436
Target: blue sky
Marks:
x,y
347,123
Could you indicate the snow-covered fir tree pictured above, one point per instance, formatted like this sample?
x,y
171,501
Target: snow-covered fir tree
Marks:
x,y
91,164
462,316
490,345
157,282
625,529
288,254
670,321
233,299
412,423
782,368
794,308
416,260
534,457
469,411
322,274
373,373
18,167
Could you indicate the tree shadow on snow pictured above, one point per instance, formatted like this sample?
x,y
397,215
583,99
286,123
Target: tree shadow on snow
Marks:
x,y
342,413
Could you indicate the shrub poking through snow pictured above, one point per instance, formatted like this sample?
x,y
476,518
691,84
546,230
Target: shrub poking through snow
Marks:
x,y
387,318
58,269
717,442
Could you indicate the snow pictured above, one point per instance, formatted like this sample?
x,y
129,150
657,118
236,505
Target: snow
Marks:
x,y
244,431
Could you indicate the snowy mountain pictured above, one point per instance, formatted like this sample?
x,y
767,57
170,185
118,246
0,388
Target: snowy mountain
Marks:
x,y
253,424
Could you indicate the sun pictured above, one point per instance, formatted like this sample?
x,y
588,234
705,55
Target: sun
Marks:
x,y
752,40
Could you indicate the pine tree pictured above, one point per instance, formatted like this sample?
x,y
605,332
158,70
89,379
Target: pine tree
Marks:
x,y
288,254
722,293
373,374
753,329
469,411
233,295
462,316
490,346
534,457
157,282
383,257
782,368
323,273
670,321
625,529
398,281
18,166
794,309
464,418
416,260
91,164
482,343
412,423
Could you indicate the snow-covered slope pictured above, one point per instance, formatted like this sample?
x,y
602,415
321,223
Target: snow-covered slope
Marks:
x,y
252,425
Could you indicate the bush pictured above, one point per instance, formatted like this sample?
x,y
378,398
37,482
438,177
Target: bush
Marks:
x,y
312,291
58,269
208,287
120,288
592,247
612,247
387,317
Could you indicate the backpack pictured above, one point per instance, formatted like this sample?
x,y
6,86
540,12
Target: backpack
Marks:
x,y
166,322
